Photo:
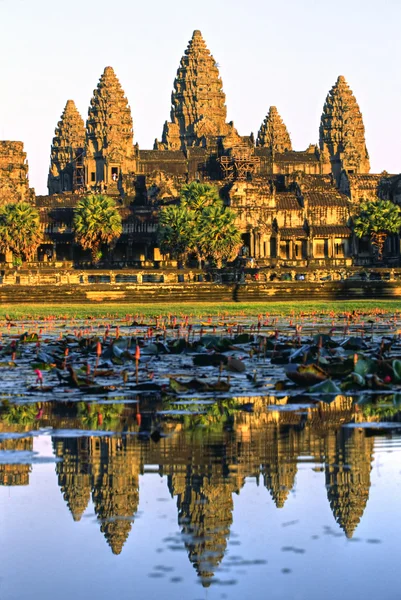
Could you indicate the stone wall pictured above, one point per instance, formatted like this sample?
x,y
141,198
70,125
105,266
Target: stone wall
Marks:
x,y
14,183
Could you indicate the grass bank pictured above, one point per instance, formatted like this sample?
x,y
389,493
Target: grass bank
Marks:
x,y
20,311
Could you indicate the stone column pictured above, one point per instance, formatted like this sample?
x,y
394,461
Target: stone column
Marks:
x,y
251,243
262,246
257,245
267,238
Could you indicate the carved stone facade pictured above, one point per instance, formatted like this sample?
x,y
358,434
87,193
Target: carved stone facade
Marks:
x,y
66,162
273,133
198,112
342,133
109,133
14,183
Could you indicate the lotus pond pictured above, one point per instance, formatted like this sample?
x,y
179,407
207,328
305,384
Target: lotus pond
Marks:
x,y
209,456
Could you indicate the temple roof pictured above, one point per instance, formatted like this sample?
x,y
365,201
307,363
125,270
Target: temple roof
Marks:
x,y
367,181
326,198
328,230
287,233
296,157
287,201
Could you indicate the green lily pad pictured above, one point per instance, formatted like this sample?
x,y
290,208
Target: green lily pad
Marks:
x,y
325,387
397,370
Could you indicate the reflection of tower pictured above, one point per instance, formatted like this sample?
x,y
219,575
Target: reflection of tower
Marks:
x,y
73,472
205,507
348,465
14,474
280,470
116,488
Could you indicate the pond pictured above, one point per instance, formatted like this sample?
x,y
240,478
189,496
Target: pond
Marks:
x,y
181,475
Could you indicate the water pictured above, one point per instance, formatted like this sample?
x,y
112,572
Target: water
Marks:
x,y
217,482
270,503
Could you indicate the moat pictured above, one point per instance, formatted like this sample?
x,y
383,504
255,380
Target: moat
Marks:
x,y
202,457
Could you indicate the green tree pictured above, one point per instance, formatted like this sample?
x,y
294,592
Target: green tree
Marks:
x,y
175,230
20,229
377,220
96,222
197,196
200,224
219,236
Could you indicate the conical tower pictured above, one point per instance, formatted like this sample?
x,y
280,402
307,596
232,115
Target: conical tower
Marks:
x,y
205,515
342,133
116,490
74,476
67,152
198,110
273,133
348,465
280,471
109,136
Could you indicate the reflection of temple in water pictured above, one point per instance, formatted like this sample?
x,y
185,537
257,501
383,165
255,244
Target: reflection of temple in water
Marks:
x,y
15,474
74,478
349,455
116,488
280,469
105,466
204,471
205,505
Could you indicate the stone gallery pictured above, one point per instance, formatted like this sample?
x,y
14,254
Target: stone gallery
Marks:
x,y
294,208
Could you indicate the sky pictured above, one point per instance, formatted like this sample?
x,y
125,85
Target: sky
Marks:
x,y
288,54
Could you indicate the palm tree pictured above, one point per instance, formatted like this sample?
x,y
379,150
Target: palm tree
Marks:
x,y
219,236
96,222
200,224
377,220
196,196
20,229
176,229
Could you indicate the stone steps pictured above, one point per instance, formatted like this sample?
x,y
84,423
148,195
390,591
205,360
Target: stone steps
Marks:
x,y
195,292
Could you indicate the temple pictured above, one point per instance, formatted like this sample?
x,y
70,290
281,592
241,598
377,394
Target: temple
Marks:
x,y
294,207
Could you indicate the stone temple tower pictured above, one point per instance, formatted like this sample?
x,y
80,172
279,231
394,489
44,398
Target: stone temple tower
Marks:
x,y
342,133
109,136
66,159
273,133
198,110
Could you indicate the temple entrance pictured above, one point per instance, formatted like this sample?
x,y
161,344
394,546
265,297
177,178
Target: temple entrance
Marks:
x,y
273,247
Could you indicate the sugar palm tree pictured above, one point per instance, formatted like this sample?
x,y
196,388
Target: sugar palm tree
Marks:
x,y
377,220
199,224
20,229
196,196
176,229
219,236
96,222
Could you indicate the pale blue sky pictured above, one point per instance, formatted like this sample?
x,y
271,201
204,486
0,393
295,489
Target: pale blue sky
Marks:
x,y
287,54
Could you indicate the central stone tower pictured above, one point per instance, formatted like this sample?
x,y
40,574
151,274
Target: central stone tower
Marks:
x,y
198,112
